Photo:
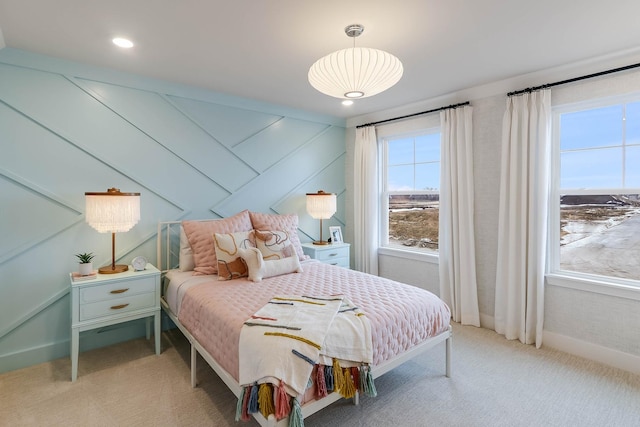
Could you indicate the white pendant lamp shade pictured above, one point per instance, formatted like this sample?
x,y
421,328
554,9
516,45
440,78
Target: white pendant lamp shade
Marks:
x,y
356,72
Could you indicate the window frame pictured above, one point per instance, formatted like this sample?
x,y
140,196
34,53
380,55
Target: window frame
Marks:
x,y
408,129
608,285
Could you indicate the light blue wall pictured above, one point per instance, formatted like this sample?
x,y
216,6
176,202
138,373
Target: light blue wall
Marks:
x,y
67,128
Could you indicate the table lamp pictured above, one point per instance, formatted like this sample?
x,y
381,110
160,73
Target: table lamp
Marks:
x,y
321,206
112,212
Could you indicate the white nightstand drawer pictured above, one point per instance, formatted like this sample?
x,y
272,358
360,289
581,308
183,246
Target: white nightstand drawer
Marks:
x,y
342,261
330,254
110,291
117,305
336,254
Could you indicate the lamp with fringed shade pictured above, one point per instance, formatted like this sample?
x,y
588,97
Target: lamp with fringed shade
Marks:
x,y
321,206
112,212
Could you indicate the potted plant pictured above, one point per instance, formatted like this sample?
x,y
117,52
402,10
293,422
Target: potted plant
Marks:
x,y
85,266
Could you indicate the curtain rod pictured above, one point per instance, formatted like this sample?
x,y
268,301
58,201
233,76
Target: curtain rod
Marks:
x,y
462,104
575,79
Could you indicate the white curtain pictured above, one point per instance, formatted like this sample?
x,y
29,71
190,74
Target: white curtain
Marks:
x,y
366,200
523,217
457,256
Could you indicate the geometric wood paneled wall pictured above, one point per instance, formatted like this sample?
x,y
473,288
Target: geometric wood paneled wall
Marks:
x,y
67,128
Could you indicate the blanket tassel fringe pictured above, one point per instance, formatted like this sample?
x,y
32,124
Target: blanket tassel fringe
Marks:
x,y
367,385
296,419
329,378
338,378
253,399
282,402
265,400
349,389
321,384
239,404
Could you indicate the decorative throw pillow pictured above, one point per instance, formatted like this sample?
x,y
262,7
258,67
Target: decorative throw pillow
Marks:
x,y
288,223
230,264
200,235
260,269
185,257
274,244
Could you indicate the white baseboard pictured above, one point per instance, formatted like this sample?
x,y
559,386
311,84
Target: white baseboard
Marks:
x,y
598,353
89,340
607,356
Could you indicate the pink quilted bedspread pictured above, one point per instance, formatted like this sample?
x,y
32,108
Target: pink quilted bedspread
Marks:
x,y
401,315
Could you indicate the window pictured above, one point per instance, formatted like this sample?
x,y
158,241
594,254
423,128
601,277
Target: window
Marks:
x,y
596,207
411,191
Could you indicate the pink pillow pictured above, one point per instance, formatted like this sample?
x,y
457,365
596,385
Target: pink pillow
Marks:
x,y
200,235
288,223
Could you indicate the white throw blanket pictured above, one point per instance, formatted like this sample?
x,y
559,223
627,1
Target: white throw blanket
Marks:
x,y
290,334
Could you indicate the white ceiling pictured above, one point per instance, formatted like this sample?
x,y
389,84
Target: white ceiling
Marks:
x,y
262,49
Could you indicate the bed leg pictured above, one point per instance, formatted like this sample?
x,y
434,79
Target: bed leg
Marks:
x,y
448,353
356,398
194,354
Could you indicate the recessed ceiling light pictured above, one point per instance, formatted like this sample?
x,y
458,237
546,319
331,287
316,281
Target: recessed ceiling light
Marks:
x,y
347,102
125,43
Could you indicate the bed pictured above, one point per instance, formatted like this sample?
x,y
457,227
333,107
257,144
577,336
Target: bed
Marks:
x,y
405,320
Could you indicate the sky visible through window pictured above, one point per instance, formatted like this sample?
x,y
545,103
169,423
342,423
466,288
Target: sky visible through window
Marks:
x,y
600,148
599,178
414,163
413,176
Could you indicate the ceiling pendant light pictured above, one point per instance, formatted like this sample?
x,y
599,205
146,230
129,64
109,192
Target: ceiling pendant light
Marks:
x,y
357,72
123,43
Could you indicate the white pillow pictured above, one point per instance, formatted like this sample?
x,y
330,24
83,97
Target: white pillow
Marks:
x,y
185,259
273,244
260,269
228,245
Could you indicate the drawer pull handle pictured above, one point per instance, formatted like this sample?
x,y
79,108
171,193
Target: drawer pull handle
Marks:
x,y
119,291
333,254
118,307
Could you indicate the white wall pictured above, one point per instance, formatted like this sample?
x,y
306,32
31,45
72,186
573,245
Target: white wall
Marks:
x,y
583,322
67,128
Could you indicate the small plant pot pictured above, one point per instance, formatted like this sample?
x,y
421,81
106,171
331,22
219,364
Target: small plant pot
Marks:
x,y
85,269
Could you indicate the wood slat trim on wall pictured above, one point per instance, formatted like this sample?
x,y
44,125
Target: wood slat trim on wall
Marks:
x,y
34,312
29,186
67,128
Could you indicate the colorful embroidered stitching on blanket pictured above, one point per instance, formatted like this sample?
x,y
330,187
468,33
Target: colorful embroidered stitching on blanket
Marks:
x,y
282,343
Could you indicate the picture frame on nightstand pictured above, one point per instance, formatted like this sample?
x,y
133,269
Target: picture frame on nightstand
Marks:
x,y
336,234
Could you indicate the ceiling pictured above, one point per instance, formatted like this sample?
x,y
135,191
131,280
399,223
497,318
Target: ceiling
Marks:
x,y
262,49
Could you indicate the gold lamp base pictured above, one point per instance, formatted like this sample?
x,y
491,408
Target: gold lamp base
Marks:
x,y
111,269
320,242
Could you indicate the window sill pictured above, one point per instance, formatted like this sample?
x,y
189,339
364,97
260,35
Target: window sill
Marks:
x,y
406,254
620,288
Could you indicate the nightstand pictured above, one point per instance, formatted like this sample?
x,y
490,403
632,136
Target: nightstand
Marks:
x,y
114,298
335,254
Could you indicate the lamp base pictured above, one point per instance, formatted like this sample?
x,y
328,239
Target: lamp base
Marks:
x,y
320,242
110,269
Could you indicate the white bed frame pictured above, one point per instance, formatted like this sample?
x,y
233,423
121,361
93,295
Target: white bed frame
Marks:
x,y
169,234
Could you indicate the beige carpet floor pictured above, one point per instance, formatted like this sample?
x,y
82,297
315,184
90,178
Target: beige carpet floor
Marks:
x,y
495,383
